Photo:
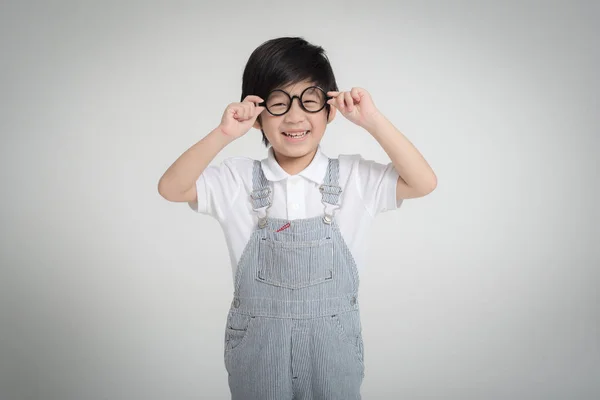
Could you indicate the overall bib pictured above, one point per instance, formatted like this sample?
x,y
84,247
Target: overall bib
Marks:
x,y
293,330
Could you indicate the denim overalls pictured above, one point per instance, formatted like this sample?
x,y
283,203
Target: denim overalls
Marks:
x,y
293,330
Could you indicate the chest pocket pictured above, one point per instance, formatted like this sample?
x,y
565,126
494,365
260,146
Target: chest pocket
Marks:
x,y
295,264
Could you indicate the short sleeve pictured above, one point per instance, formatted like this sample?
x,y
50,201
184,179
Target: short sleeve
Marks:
x,y
219,185
377,185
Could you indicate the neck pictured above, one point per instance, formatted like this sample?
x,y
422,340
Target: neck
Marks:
x,y
294,165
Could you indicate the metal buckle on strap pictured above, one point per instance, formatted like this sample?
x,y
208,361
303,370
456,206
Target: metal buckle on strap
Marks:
x,y
330,189
261,193
258,195
262,215
329,207
329,211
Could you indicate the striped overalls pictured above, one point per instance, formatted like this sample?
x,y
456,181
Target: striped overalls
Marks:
x,y
293,330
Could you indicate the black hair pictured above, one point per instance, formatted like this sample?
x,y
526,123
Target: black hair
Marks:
x,y
284,61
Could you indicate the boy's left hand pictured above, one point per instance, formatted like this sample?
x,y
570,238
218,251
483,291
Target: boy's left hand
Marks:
x,y
356,105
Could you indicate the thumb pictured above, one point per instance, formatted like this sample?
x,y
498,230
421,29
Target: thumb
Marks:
x,y
257,111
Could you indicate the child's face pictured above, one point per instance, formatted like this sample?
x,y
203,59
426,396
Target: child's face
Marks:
x,y
278,129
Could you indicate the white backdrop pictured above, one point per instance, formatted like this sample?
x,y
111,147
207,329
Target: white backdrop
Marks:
x,y
485,289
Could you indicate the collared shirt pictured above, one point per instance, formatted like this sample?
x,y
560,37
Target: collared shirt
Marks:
x,y
368,189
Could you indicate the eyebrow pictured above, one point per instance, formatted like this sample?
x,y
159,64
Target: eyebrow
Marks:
x,y
310,84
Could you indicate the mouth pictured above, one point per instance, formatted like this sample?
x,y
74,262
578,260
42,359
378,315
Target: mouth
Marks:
x,y
295,135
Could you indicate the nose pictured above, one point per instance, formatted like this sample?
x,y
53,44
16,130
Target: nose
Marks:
x,y
296,113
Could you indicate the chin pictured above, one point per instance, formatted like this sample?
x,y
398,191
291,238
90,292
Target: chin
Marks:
x,y
295,150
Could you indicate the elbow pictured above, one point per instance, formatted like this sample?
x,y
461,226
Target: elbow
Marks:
x,y
174,194
161,188
432,184
164,191
428,186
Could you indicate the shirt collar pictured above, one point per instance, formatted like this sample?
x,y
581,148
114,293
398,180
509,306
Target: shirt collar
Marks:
x,y
315,171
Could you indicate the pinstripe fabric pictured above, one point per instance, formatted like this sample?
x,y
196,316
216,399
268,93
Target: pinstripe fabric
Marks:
x,y
293,330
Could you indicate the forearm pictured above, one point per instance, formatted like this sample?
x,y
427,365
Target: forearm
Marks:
x,y
186,170
407,160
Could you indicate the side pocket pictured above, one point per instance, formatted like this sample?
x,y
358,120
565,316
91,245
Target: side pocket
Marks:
x,y
236,331
349,328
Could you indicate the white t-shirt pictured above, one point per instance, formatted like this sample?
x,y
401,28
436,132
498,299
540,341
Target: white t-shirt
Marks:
x,y
368,189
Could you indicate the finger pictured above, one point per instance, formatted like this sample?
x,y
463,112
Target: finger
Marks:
x,y
235,112
253,99
349,101
250,107
335,100
257,111
355,92
332,96
340,100
248,110
241,112
344,101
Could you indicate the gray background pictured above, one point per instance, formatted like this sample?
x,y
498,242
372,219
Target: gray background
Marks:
x,y
486,289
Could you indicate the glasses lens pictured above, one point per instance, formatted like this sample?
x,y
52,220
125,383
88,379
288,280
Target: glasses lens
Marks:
x,y
313,99
278,102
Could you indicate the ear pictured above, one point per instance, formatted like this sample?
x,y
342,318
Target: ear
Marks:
x,y
257,123
332,111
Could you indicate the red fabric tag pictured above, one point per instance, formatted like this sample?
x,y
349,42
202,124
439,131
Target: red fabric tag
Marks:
x,y
284,227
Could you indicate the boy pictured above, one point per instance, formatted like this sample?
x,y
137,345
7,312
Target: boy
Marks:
x,y
295,223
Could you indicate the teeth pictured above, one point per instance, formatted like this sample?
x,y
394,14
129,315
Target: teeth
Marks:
x,y
295,135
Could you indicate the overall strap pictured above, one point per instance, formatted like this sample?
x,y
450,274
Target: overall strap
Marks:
x,y
261,194
331,190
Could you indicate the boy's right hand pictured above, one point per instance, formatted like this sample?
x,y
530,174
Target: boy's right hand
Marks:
x,y
238,118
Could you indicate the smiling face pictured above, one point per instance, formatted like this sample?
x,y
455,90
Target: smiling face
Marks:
x,y
297,133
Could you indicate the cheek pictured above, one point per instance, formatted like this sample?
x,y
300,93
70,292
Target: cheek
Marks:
x,y
319,123
270,127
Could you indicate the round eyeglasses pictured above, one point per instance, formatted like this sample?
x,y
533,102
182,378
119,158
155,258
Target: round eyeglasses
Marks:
x,y
312,100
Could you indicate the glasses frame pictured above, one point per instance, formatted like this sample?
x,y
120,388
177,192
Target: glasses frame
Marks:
x,y
264,103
